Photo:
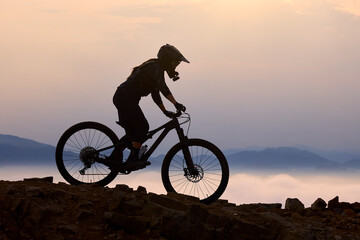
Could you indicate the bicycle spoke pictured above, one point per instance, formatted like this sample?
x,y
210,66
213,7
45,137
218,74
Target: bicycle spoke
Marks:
x,y
182,183
175,175
180,169
207,181
73,164
76,155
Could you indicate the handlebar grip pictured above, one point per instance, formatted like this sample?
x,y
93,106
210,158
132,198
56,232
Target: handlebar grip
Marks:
x,y
178,113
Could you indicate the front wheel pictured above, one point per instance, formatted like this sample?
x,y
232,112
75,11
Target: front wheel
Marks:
x,y
211,175
76,154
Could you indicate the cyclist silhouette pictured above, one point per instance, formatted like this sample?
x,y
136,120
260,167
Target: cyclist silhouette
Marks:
x,y
143,80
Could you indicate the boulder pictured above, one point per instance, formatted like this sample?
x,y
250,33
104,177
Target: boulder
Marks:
x,y
334,203
38,209
318,205
294,204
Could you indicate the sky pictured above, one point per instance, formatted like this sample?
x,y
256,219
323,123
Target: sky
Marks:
x,y
262,72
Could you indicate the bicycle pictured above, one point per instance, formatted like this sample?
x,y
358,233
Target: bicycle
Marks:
x,y
192,167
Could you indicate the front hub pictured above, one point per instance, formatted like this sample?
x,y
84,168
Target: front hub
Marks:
x,y
195,175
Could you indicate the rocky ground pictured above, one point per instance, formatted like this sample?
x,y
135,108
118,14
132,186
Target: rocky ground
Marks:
x,y
40,209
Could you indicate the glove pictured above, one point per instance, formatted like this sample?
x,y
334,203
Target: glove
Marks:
x,y
169,114
180,107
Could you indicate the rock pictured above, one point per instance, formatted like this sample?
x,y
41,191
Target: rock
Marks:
x,y
84,204
45,179
294,204
183,228
345,205
168,202
41,210
334,203
318,205
350,213
197,212
115,201
32,191
260,207
123,188
84,214
141,189
130,224
183,198
67,229
131,207
356,207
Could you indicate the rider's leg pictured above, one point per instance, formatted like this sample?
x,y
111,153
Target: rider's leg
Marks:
x,y
133,162
133,120
134,151
138,129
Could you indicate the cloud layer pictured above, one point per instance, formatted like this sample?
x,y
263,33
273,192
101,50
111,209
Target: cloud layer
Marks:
x,y
242,188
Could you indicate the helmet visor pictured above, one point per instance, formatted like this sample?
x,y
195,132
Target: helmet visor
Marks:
x,y
184,59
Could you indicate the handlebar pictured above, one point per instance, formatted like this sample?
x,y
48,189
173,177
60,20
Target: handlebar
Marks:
x,y
177,114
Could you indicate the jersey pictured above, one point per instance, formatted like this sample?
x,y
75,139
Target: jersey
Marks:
x,y
145,79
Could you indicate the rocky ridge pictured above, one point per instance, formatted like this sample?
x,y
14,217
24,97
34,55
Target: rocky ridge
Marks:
x,y
40,209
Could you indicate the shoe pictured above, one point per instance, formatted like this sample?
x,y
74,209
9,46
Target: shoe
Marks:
x,y
116,154
114,160
133,162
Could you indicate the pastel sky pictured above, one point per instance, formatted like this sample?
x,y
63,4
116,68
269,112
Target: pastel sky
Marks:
x,y
262,72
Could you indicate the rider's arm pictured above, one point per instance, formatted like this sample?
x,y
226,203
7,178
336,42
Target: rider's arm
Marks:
x,y
171,98
162,107
157,99
163,88
178,106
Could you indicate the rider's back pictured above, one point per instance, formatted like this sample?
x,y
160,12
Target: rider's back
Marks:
x,y
145,79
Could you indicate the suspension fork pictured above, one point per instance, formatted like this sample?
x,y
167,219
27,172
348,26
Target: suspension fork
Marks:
x,y
185,148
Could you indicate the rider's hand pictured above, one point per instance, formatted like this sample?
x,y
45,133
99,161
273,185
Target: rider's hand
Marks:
x,y
169,114
180,107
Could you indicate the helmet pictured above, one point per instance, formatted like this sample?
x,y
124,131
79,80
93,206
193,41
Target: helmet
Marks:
x,y
169,58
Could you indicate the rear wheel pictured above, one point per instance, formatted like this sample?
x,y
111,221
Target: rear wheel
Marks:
x,y
76,154
209,179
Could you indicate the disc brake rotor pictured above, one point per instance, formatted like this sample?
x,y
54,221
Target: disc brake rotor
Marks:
x,y
195,175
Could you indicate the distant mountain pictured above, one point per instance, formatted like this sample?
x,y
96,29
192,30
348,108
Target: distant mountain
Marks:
x,y
340,156
232,151
20,151
278,158
355,163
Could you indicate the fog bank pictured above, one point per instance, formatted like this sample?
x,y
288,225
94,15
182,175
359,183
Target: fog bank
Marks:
x,y
242,188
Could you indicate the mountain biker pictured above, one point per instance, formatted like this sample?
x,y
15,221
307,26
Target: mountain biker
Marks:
x,y
143,80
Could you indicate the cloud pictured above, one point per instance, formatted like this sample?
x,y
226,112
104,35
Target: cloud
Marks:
x,y
249,188
242,188
348,6
308,7
320,6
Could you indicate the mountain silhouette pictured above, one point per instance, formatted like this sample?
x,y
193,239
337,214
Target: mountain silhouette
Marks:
x,y
354,163
278,158
20,151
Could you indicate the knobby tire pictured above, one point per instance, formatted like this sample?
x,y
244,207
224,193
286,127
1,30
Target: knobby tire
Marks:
x,y
85,135
210,184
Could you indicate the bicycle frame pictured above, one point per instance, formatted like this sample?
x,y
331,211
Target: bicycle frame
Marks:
x,y
172,124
